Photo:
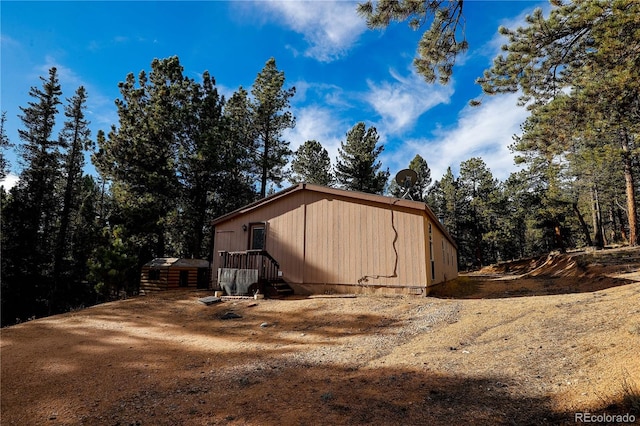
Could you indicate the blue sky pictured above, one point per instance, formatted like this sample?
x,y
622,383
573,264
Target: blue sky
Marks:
x,y
343,72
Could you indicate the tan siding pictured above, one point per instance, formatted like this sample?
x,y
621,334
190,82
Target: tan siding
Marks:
x,y
446,267
361,243
344,239
283,238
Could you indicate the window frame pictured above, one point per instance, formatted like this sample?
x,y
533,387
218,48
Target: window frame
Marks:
x,y
253,226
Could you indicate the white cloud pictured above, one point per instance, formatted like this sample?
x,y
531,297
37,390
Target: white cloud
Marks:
x,y
485,131
400,103
329,27
317,123
7,41
9,181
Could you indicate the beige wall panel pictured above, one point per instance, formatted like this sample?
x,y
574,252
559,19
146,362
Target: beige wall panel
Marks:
x,y
283,239
446,266
360,243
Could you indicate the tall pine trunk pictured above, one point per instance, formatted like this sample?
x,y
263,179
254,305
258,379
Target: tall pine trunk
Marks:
x,y
583,225
65,219
632,216
596,217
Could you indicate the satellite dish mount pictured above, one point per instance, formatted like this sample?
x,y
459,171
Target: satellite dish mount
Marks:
x,y
406,178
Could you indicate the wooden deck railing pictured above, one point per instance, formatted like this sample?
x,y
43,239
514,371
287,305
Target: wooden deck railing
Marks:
x,y
261,260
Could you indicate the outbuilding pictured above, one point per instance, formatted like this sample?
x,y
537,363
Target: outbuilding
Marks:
x,y
165,273
320,240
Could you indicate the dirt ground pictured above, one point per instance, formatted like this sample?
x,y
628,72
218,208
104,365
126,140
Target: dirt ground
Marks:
x,y
528,343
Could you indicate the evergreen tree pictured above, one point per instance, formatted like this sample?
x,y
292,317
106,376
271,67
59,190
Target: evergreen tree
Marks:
x,y
439,45
479,189
139,156
452,201
357,168
586,51
517,233
75,139
270,117
241,134
4,145
29,213
87,226
311,164
445,200
198,164
213,164
113,265
236,187
41,157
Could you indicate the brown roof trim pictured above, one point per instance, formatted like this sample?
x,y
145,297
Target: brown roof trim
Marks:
x,y
258,203
374,198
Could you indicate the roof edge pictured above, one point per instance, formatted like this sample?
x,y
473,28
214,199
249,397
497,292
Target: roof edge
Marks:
x,y
375,198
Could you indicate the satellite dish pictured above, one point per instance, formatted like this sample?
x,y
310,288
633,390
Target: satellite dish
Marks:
x,y
406,178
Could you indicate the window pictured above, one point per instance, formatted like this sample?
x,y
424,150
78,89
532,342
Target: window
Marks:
x,y
154,274
256,236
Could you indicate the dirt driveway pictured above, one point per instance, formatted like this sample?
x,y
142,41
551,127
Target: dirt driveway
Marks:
x,y
168,359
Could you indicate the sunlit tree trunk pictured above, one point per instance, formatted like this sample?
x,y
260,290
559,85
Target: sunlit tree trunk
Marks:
x,y
629,187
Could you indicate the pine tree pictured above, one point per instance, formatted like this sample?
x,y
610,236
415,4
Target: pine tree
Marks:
x,y
357,168
237,187
139,156
4,145
241,136
444,198
29,215
75,139
479,189
311,164
40,154
85,240
270,117
439,45
585,52
198,164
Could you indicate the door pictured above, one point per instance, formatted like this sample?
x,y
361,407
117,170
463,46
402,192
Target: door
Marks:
x,y
203,277
184,279
257,236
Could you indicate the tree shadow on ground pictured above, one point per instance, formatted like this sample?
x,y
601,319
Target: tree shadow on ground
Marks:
x,y
171,361
279,392
482,287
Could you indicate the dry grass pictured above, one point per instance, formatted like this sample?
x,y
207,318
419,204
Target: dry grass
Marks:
x,y
630,393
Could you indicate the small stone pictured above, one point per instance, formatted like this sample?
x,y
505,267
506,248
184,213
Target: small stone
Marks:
x,y
230,315
209,300
264,324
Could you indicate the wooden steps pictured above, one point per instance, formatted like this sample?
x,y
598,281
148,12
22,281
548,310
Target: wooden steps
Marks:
x,y
277,288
